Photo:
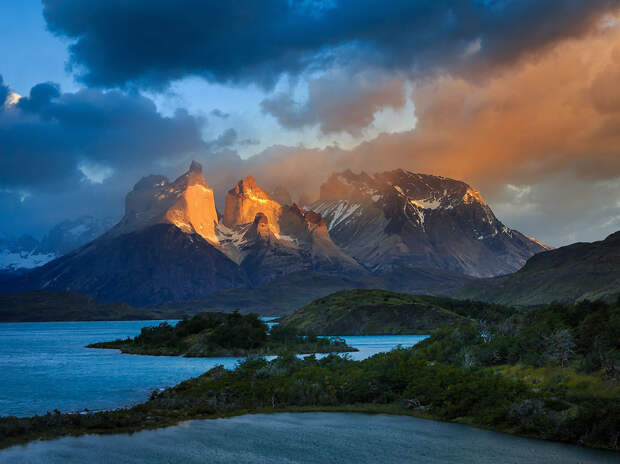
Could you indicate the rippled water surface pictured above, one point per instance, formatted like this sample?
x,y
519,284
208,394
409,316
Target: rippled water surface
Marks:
x,y
44,366
307,438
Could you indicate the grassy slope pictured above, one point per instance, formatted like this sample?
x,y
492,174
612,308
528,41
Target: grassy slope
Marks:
x,y
573,273
356,312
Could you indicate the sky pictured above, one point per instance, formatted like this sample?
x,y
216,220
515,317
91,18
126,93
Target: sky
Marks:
x,y
519,98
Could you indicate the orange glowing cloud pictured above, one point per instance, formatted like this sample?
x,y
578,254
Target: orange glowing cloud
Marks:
x,y
556,110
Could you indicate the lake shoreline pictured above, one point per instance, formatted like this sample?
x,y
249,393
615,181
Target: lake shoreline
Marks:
x,y
307,437
131,350
397,382
393,409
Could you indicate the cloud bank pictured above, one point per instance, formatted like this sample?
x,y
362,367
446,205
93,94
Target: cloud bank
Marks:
x,y
53,141
149,43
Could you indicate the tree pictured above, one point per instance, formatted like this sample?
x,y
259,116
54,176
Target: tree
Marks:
x,y
561,346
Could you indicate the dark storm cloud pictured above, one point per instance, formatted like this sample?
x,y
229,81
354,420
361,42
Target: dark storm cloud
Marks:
x,y
148,43
41,96
49,141
225,139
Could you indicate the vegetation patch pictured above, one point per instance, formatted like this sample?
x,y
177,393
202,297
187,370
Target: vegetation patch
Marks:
x,y
551,373
378,312
219,334
568,354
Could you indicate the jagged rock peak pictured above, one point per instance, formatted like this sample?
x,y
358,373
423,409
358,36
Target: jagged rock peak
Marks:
x,y
346,185
192,177
314,218
195,167
245,201
249,188
297,222
295,207
259,229
187,203
151,182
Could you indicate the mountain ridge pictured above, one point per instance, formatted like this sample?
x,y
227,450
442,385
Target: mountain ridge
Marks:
x,y
257,239
398,218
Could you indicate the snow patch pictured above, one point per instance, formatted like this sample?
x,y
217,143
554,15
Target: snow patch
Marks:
x,y
231,236
341,213
23,259
426,204
287,238
78,230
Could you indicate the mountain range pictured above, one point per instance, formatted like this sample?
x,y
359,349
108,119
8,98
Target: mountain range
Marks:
x,y
173,245
26,252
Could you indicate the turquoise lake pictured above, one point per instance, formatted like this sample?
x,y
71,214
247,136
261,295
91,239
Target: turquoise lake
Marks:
x,y
44,366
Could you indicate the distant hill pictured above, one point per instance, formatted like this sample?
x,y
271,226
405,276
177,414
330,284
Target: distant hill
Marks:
x,y
288,293
363,312
572,273
43,306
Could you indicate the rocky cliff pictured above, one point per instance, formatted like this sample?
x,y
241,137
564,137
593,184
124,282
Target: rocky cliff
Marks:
x,y
245,201
187,203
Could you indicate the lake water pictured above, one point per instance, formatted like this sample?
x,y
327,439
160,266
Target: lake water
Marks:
x,y
306,438
44,366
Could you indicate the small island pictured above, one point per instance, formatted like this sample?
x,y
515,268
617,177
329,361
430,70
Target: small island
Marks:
x,y
220,335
